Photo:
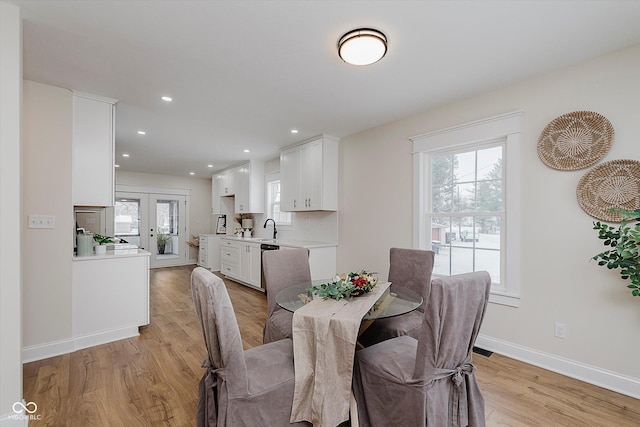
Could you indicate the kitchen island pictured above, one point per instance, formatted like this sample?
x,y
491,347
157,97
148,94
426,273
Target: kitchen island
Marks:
x,y
110,295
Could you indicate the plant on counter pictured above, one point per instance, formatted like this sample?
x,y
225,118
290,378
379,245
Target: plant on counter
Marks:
x,y
624,241
346,285
162,240
103,240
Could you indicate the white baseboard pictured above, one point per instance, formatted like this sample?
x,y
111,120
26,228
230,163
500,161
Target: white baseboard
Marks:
x,y
56,348
43,351
14,420
590,374
105,337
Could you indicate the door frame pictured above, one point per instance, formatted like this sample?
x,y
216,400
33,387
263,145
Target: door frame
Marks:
x,y
184,227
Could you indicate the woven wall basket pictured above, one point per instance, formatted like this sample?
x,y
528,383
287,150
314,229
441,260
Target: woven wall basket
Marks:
x,y
575,140
610,185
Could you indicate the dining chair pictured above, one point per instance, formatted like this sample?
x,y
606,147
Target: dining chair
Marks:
x,y
429,381
412,269
240,388
281,269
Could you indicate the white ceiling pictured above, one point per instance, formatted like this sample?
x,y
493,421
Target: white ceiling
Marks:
x,y
243,73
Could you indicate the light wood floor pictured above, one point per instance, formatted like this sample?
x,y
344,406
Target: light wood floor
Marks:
x,y
152,380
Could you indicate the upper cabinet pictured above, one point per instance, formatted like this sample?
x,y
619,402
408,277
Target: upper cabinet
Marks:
x,y
245,182
309,175
93,150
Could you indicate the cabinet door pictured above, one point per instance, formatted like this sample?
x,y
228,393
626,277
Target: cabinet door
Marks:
x,y
290,180
255,272
203,252
311,175
92,152
216,184
241,188
227,183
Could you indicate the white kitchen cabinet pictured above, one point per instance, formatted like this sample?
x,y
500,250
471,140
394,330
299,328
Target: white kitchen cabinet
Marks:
x,y
93,150
227,182
241,261
309,175
209,251
250,264
245,182
110,297
216,183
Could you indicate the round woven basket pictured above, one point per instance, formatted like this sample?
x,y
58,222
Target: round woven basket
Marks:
x,y
575,140
610,185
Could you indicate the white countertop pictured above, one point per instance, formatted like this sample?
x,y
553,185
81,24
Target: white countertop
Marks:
x,y
281,242
118,251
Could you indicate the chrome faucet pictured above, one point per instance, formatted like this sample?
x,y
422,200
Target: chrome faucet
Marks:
x,y
274,227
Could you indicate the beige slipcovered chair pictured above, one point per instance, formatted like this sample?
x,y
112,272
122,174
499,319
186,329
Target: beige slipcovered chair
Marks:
x,y
412,269
282,268
239,388
429,381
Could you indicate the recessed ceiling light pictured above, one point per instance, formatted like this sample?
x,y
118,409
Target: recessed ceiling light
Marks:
x,y
167,98
363,46
141,132
246,151
294,130
117,166
192,173
209,166
125,155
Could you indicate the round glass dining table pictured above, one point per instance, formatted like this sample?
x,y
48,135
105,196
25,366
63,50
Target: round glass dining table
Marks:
x,y
396,301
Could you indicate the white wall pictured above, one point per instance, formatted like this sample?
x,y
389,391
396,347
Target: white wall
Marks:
x,y
10,257
558,280
200,217
46,179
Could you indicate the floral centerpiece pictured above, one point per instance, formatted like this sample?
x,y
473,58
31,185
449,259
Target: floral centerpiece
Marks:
x,y
346,285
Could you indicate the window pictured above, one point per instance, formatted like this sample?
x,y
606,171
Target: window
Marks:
x,y
467,205
273,203
466,210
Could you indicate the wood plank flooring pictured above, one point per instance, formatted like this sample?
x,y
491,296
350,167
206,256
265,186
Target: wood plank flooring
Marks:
x,y
152,380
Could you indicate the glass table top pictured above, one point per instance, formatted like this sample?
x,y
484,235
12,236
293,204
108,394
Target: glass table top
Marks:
x,y
397,300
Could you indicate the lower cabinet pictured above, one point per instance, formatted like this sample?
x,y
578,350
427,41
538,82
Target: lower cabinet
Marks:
x,y
241,261
110,298
209,252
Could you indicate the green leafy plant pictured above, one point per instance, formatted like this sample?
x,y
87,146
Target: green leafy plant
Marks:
x,y
624,241
163,238
103,240
346,285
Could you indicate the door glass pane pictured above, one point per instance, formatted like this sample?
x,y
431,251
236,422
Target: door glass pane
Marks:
x,y
167,223
127,220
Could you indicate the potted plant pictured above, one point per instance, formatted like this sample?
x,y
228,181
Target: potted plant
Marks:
x,y
624,241
162,240
103,241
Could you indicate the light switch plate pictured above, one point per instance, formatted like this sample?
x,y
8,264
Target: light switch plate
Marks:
x,y
42,221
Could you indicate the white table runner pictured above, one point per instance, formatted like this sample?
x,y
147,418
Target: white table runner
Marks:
x,y
325,333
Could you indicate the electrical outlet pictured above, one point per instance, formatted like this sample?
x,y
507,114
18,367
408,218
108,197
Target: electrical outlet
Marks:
x,y
41,221
561,330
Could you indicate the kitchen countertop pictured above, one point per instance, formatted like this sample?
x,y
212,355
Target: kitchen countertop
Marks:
x,y
117,251
281,242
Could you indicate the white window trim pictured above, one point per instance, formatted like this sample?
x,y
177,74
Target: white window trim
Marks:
x,y
506,126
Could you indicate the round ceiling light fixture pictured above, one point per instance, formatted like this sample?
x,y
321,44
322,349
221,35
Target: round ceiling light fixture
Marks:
x,y
363,46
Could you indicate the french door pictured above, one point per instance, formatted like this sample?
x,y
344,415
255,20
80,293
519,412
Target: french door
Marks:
x,y
154,222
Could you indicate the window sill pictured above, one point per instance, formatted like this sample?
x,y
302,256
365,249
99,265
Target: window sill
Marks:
x,y
503,298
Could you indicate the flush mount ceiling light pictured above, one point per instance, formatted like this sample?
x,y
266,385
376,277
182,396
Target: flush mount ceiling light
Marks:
x,y
363,46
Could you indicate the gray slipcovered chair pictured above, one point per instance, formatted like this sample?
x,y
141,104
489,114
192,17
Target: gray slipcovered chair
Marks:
x,y
282,268
429,381
239,388
410,268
